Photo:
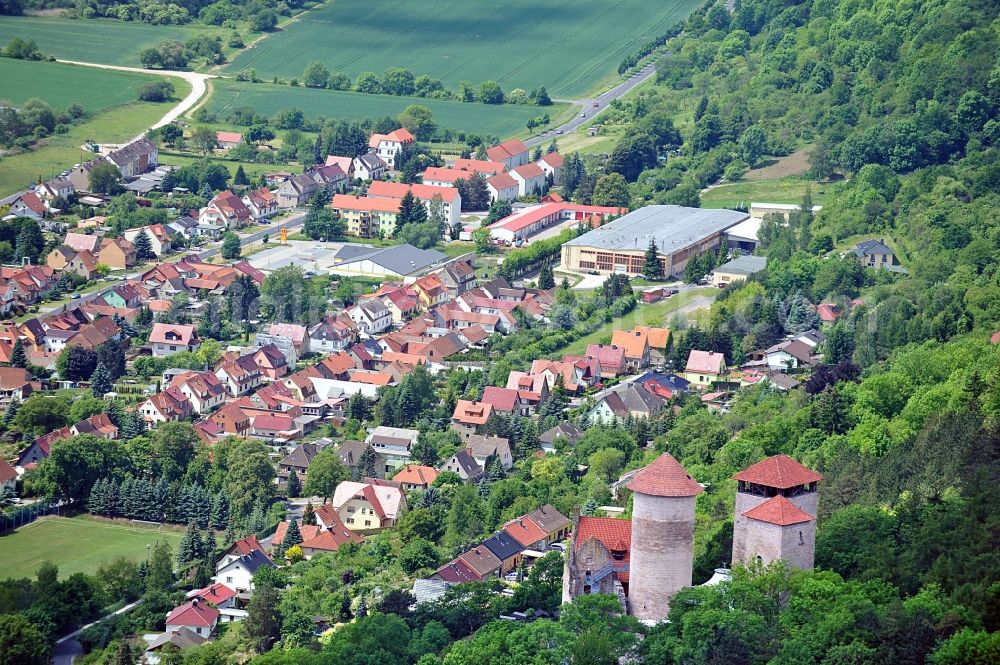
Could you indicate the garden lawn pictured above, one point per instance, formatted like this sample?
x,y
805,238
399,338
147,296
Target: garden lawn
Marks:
x,y
61,151
785,190
105,41
60,85
655,314
268,99
77,545
568,46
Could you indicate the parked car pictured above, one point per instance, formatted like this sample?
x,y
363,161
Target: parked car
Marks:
x,y
75,296
596,104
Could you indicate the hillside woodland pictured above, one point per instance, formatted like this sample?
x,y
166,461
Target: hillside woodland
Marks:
x,y
899,103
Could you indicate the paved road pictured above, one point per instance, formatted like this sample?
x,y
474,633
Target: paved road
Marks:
x,y
197,81
68,647
589,110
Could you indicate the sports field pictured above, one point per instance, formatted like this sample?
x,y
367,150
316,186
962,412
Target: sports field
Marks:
x,y
502,121
567,45
106,41
77,545
60,85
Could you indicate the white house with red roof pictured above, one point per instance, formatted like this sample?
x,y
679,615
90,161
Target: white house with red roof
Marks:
x,y
526,222
8,475
28,205
512,153
203,390
169,405
225,211
195,615
368,506
228,140
551,163
260,202
166,339
388,146
159,239
223,598
704,368
502,187
530,179
346,164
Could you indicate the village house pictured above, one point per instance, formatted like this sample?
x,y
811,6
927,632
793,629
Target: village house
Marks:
x,y
226,211
368,506
551,164
136,158
371,317
430,290
53,191
170,405
416,477
239,375
117,253
203,390
346,164
482,448
228,140
635,344
15,383
512,153
329,335
369,166
610,357
98,425
366,217
450,198
166,339
470,416
159,240
298,461
704,368
260,202
565,432
238,573
876,254
463,464
530,179
502,187
231,419
388,146
350,453
66,259
194,615
295,191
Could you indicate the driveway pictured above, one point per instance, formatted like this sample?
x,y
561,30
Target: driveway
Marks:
x,y
595,106
197,81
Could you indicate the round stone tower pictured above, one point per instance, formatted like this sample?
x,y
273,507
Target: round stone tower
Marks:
x,y
662,533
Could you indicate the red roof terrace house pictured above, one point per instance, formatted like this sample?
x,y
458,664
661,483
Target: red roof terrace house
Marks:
x,y
167,339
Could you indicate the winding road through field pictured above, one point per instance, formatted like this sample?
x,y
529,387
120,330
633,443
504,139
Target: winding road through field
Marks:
x,y
197,81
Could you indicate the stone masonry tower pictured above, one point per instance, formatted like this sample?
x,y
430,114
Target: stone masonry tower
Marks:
x,y
776,503
662,532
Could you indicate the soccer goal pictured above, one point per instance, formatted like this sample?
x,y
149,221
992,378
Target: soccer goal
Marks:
x,y
144,525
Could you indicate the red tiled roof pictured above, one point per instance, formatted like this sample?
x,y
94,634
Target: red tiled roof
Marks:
x,y
457,572
348,202
415,474
779,471
479,166
614,534
193,613
246,545
706,362
529,171
665,477
215,594
308,531
525,531
7,472
228,137
502,399
779,510
380,188
502,181
331,540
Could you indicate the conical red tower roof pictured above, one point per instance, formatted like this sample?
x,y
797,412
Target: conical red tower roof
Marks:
x,y
665,477
779,510
779,471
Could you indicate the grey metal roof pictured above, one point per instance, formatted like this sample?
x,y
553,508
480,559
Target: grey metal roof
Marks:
x,y
426,590
401,259
743,265
503,545
672,228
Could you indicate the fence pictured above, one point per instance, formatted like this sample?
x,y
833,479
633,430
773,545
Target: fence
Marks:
x,y
24,515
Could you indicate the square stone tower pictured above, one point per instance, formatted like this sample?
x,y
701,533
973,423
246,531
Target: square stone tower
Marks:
x,y
662,533
776,505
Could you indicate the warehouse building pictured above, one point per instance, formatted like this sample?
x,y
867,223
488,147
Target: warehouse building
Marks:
x,y
679,233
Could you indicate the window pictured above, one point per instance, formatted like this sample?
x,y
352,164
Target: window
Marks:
x,y
350,520
229,579
368,523
801,539
173,348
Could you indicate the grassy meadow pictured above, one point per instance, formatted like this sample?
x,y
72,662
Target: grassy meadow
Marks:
x,y
105,41
267,98
76,545
570,47
60,85
785,190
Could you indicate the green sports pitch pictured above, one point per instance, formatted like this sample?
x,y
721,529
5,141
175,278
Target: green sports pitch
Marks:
x,y
76,545
569,46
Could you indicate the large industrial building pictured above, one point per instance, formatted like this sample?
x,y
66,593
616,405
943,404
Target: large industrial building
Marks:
x,y
679,233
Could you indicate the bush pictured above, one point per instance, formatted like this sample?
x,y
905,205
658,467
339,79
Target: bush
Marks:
x,y
159,91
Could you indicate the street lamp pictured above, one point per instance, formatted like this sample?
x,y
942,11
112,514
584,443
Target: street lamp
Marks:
x,y
147,552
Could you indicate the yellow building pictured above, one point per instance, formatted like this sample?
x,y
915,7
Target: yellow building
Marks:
x,y
365,217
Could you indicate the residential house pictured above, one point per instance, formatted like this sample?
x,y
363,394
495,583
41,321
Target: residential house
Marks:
x,y
527,532
117,253
8,476
274,427
875,254
402,302
330,178
239,549
482,448
15,383
635,344
551,163
502,187
482,561
79,242
226,211
203,390
470,416
739,269
450,198
98,425
704,368
138,157
238,574
79,175
296,191
371,317
430,290
455,572
657,339
66,259
54,190
829,312
350,453
505,400
166,339
506,548
231,419
181,639
512,153
271,361
260,202
159,240
554,524
530,179
388,146
465,465
458,276
367,505
298,460
483,166
228,140
298,335
27,205
365,217
223,598
369,166
346,164
197,616
169,405
329,336
565,431
416,477
239,375
610,357
788,354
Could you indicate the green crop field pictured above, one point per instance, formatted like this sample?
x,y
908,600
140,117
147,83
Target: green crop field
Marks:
x,y
568,46
60,85
106,41
267,98
782,190
77,545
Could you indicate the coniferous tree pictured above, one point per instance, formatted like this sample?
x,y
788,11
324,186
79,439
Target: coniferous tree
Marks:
x,y
309,515
219,517
345,608
100,381
144,318
652,269
257,521
132,426
362,608
407,205
115,413
18,357
144,246
11,410
546,280
187,549
161,568
590,507
294,486
262,625
366,463
293,536
241,176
